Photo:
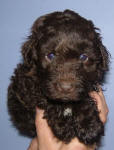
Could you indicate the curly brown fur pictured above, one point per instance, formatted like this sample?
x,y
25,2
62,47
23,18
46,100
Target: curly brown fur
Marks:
x,y
63,60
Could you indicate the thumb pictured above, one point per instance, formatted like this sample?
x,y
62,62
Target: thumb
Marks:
x,y
42,128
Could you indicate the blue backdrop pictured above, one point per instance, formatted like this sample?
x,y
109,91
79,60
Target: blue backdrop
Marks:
x,y
16,18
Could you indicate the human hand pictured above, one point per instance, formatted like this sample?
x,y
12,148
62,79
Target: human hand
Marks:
x,y
45,139
101,104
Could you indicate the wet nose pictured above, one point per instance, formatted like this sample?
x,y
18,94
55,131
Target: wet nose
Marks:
x,y
65,86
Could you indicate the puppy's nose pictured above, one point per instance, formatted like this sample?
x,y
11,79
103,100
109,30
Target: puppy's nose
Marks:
x,y
65,86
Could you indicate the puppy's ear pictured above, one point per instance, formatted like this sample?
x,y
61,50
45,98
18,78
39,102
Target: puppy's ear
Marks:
x,y
31,47
29,51
104,63
105,57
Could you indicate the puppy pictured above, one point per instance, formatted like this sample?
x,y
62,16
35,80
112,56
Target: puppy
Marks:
x,y
63,60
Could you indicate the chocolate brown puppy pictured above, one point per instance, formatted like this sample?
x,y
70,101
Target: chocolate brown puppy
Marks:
x,y
63,60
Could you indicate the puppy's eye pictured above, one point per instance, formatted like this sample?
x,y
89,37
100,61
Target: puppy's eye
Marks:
x,y
83,57
50,57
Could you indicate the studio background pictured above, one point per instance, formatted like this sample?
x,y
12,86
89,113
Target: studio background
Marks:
x,y
16,18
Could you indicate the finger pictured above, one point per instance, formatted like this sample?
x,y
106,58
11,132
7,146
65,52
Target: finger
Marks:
x,y
46,139
96,97
101,104
102,96
103,100
42,128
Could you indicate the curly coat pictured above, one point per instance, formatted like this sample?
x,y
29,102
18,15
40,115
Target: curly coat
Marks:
x,y
63,60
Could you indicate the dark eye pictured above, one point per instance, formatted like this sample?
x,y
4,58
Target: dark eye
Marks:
x,y
83,57
50,57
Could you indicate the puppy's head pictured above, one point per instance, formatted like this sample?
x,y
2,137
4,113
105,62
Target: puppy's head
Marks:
x,y
68,55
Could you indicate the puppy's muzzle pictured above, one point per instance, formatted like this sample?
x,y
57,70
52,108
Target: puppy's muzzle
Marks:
x,y
65,86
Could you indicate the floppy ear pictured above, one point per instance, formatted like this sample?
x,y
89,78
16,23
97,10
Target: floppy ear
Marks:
x,y
31,47
95,36
104,62
105,57
29,51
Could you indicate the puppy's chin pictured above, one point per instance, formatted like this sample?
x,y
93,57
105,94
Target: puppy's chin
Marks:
x,y
63,99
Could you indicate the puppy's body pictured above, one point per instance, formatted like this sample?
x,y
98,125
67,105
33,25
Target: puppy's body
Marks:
x,y
63,60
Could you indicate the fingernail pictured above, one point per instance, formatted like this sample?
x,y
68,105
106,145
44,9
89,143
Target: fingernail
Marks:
x,y
92,93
